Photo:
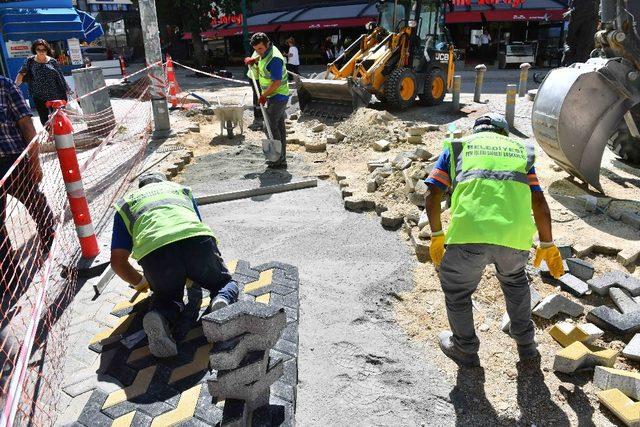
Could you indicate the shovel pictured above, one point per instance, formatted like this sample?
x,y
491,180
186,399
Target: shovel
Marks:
x,y
272,148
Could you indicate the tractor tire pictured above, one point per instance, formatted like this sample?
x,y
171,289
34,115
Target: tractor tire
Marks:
x,y
400,89
435,88
625,146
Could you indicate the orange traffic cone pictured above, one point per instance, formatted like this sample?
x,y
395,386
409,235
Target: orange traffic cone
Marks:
x,y
174,88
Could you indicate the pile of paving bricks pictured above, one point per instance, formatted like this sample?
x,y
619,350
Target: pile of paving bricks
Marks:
x,y
578,351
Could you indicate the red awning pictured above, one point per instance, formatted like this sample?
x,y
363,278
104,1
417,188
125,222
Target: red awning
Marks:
x,y
505,15
329,23
234,31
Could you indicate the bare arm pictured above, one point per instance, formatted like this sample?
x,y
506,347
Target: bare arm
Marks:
x,y
272,87
542,216
123,268
19,78
432,207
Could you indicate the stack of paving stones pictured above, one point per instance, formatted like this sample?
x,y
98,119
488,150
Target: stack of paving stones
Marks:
x,y
242,335
620,389
129,386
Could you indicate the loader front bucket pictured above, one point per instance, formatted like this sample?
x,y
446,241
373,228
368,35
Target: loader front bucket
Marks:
x,y
576,111
331,98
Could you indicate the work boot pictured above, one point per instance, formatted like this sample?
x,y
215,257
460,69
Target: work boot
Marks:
x,y
277,165
450,350
218,303
528,351
161,343
256,125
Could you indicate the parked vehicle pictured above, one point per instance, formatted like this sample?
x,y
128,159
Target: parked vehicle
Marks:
x,y
94,53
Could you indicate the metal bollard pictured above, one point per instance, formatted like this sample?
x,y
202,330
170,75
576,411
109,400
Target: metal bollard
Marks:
x,y
66,149
455,92
480,70
524,76
510,112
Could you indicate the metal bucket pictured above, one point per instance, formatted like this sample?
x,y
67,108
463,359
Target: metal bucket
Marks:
x,y
576,111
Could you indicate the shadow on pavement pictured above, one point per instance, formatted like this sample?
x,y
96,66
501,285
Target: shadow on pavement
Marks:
x,y
470,400
534,397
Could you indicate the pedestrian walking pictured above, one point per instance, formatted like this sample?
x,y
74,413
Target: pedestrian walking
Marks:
x,y
485,42
44,77
268,65
329,50
16,131
159,225
293,57
495,190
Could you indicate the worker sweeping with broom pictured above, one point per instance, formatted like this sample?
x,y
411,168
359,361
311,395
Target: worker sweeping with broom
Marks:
x,y
267,66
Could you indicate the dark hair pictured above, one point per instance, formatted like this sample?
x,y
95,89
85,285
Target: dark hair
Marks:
x,y
258,38
41,42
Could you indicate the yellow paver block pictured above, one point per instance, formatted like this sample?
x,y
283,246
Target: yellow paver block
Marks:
x,y
578,356
138,387
232,265
626,409
566,334
199,363
135,299
119,328
264,298
264,279
205,302
125,420
184,410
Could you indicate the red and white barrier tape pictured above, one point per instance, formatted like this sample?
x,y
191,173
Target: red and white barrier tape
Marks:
x,y
244,82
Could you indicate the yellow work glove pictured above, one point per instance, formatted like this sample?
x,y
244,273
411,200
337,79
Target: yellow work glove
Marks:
x,y
549,253
436,249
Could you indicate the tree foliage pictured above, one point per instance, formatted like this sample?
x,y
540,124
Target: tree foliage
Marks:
x,y
193,15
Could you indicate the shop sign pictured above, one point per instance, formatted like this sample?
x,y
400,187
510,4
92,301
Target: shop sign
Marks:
x,y
544,17
236,18
19,48
74,51
513,3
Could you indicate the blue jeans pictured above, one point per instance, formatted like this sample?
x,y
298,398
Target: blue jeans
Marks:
x,y
196,258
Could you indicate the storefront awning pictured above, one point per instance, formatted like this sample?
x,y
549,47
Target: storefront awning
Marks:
x,y
328,23
512,15
92,30
47,23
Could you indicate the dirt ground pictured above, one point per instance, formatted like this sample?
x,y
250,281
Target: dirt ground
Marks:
x,y
506,391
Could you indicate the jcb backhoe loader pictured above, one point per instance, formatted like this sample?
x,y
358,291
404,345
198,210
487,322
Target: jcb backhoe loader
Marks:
x,y
406,54
582,108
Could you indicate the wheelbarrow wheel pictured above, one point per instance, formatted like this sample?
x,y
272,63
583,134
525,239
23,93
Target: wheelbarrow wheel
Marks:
x,y
229,126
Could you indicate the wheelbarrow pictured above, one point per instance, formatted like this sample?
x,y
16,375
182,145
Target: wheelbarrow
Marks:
x,y
230,117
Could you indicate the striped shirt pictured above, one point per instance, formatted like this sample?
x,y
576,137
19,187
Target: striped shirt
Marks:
x,y
439,176
13,107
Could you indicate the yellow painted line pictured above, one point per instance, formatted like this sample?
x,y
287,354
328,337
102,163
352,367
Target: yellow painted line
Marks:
x,y
139,353
120,327
184,410
624,408
205,302
137,388
135,299
199,363
124,421
232,265
264,298
264,280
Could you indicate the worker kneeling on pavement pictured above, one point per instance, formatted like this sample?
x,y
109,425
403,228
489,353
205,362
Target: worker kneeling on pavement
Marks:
x,y
495,189
160,227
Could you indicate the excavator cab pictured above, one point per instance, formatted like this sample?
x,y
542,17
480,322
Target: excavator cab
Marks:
x,y
406,55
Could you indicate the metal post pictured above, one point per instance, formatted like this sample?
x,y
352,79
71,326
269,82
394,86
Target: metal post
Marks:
x,y
245,29
480,70
97,106
510,112
524,76
153,54
455,93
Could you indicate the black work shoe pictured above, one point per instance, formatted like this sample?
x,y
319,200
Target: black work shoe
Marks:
x,y
528,351
450,350
277,165
256,126
161,343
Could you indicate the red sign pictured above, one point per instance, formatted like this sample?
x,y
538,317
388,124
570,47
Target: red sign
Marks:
x,y
227,19
513,3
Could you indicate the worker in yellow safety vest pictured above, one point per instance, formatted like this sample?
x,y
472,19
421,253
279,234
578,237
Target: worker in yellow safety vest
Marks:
x,y
494,191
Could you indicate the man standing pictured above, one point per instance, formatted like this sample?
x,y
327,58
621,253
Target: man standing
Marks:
x,y
159,226
293,57
16,132
268,65
495,189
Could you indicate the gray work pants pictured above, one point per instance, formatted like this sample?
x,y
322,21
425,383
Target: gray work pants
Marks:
x,y
460,273
277,113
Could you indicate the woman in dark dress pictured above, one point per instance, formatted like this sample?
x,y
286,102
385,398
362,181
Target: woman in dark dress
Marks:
x,y
44,77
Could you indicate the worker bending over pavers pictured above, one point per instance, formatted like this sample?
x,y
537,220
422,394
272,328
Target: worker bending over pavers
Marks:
x,y
160,227
495,188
